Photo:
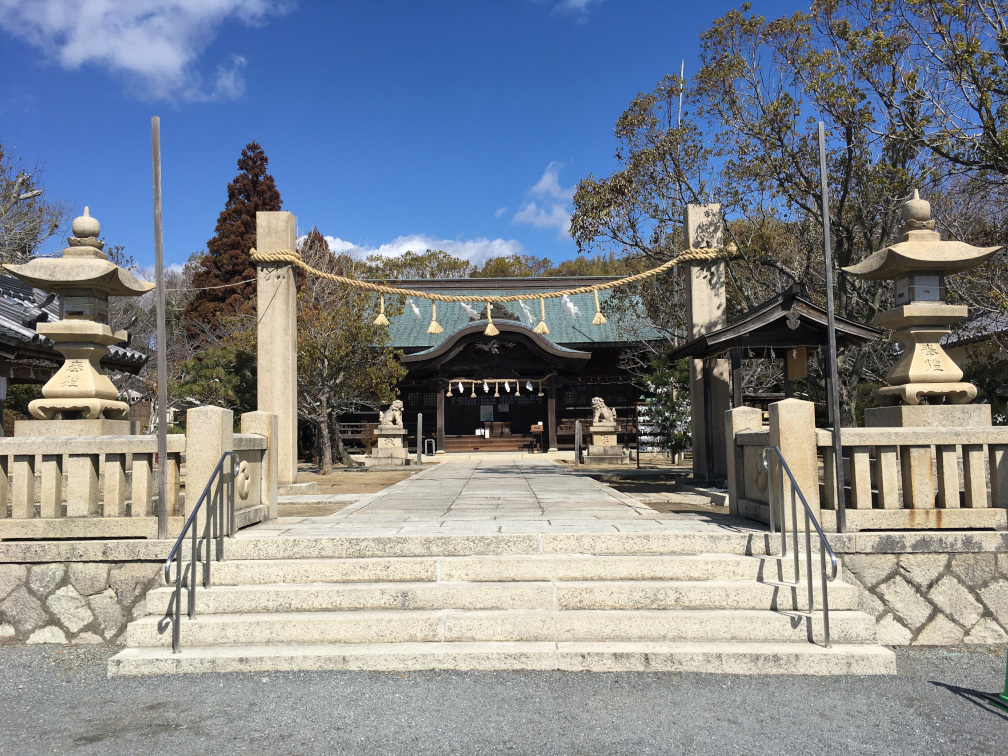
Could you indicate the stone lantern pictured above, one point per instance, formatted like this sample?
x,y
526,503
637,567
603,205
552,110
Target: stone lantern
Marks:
x,y
84,278
918,263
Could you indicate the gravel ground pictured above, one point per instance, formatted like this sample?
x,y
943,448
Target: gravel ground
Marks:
x,y
58,700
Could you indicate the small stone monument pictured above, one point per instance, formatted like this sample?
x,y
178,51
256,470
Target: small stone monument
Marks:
x,y
390,432
604,448
918,263
80,400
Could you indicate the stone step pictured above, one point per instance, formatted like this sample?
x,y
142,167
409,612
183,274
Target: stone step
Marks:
x,y
249,547
719,657
500,568
654,594
508,625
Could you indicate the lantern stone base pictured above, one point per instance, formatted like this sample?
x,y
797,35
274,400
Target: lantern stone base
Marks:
x,y
390,449
90,409
929,416
75,428
912,393
924,369
80,386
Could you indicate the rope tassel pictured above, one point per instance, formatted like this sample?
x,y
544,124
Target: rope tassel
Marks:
x,y
599,317
434,327
381,320
542,329
491,329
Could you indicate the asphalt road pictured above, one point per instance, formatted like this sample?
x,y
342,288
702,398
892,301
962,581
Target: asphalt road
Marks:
x,y
58,700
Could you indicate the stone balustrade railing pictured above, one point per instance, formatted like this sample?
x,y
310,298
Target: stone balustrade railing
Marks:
x,y
896,478
56,487
105,486
921,477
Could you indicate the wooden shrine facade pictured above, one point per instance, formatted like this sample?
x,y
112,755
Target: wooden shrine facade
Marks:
x,y
495,392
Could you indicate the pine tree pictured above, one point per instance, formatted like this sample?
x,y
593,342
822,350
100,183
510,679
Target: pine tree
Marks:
x,y
227,258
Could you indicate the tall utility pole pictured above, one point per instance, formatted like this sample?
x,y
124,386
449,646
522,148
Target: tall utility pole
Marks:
x,y
834,397
162,361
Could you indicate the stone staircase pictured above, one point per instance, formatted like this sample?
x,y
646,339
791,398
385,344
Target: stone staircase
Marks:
x,y
689,602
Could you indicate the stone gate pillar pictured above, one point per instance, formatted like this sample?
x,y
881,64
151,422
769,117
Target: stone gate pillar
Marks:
x,y
706,309
276,364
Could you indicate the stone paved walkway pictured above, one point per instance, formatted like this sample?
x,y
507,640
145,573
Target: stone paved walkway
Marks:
x,y
497,495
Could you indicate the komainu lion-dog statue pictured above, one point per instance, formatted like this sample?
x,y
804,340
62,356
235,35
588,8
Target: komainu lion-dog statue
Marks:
x,y
391,416
602,413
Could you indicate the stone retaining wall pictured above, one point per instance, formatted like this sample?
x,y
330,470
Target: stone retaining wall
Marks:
x,y
930,588
73,602
76,591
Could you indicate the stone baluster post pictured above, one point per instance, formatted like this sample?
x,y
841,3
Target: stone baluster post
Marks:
x,y
209,433
265,424
738,419
793,431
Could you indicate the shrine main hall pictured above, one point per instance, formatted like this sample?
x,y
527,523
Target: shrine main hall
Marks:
x,y
518,389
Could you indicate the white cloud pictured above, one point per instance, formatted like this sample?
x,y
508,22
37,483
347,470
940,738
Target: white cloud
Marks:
x,y
500,211
475,251
551,206
578,9
155,43
549,184
576,6
547,216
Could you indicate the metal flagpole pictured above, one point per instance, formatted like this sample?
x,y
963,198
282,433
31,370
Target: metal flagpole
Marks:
x,y
834,397
162,361
682,73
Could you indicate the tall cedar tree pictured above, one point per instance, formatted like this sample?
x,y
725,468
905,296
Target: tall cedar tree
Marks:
x,y
227,257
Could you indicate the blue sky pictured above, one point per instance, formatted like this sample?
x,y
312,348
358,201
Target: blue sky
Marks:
x,y
389,124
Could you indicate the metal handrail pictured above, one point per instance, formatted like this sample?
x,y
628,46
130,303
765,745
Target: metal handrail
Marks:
x,y
810,521
213,529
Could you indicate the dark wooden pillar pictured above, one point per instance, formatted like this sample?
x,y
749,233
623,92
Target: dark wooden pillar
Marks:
x,y
551,414
736,377
440,418
708,404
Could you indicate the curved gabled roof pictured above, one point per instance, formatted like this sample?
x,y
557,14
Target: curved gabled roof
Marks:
x,y
443,352
787,320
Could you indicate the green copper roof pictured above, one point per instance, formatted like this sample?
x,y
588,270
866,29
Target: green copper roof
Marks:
x,y
568,325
